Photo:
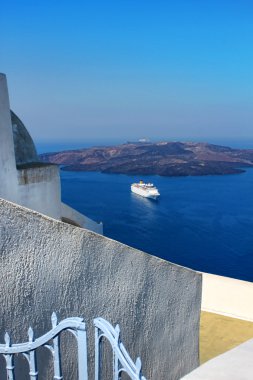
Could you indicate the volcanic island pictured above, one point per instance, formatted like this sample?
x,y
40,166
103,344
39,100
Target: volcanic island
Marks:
x,y
160,158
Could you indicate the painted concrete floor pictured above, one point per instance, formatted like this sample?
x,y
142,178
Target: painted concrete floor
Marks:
x,y
219,334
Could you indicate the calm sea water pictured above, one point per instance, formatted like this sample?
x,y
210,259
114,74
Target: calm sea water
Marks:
x,y
205,223
56,146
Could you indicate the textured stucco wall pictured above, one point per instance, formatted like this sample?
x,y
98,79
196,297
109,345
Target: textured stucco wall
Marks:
x,y
47,265
8,175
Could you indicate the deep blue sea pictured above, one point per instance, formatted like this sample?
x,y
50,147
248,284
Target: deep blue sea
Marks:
x,y
204,223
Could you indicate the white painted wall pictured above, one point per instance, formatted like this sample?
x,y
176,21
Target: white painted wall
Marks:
x,y
227,296
236,364
47,266
80,219
35,187
8,172
40,190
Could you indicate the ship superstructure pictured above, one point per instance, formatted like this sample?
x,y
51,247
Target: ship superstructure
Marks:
x,y
147,190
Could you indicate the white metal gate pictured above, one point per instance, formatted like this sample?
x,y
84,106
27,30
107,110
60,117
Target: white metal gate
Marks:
x,y
122,363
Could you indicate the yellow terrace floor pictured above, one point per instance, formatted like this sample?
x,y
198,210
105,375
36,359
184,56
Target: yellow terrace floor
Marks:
x,y
219,334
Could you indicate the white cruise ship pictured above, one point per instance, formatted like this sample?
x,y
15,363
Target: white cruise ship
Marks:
x,y
147,190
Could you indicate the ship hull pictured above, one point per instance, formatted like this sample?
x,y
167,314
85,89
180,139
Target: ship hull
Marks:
x,y
145,193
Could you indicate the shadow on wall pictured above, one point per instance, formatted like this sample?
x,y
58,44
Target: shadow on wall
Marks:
x,y
69,221
47,266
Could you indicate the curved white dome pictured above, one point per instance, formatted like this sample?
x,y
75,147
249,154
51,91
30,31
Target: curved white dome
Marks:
x,y
25,150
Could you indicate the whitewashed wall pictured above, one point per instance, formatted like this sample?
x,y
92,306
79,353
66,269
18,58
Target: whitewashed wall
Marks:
x,y
47,265
227,296
235,364
39,189
8,172
80,219
33,185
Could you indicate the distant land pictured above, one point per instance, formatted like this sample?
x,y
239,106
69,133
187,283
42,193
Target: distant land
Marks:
x,y
162,158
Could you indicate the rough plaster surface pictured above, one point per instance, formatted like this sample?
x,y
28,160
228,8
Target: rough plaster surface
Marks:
x,y
47,265
236,364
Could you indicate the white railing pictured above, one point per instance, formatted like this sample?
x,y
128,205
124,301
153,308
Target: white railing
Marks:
x,y
75,325
121,359
51,340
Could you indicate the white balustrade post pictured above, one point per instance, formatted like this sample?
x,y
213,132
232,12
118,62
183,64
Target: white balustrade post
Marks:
x,y
82,353
117,375
56,351
32,357
9,358
97,355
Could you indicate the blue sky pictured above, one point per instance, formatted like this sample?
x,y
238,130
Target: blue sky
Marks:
x,y
127,69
